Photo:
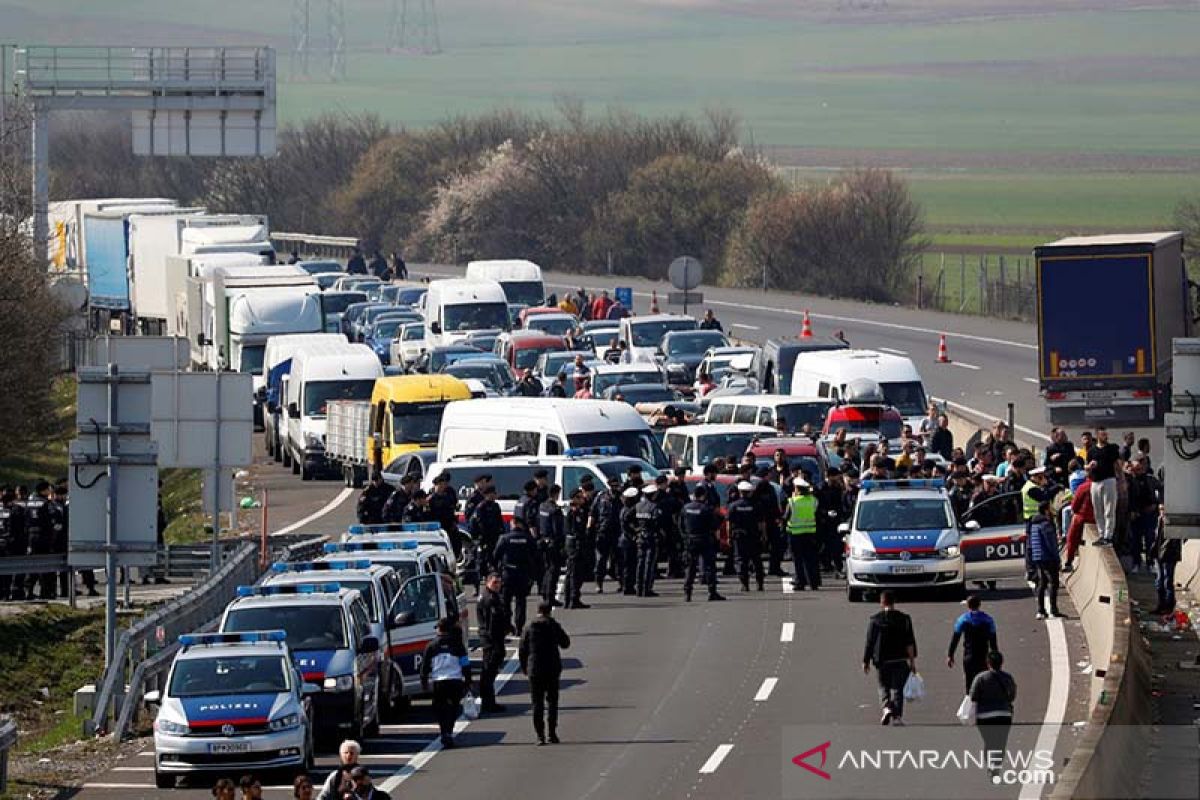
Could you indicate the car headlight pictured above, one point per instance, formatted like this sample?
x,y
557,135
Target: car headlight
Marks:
x,y
342,683
170,726
314,441
862,553
283,723
948,552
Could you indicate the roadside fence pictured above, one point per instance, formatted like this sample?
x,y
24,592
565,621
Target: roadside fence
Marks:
x,y
988,285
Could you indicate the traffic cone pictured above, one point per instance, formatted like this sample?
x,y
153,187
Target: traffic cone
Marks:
x,y
653,301
806,327
943,353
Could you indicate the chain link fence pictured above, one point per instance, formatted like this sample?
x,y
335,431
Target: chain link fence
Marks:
x,y
989,285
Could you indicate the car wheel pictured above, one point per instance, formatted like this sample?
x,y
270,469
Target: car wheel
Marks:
x,y
854,594
991,585
162,781
285,455
267,444
395,698
295,464
306,473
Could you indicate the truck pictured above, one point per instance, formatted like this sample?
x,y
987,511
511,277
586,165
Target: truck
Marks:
x,y
153,239
1108,308
67,245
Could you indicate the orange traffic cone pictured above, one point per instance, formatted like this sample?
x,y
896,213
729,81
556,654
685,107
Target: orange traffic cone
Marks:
x,y
943,354
806,327
653,301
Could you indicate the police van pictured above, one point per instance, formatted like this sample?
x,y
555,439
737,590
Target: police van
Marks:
x,y
329,635
233,703
377,583
903,535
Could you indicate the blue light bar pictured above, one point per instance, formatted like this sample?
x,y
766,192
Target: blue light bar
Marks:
x,y
362,547
307,588
392,527
605,450
315,566
914,483
195,639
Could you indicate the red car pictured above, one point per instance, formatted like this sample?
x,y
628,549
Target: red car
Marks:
x,y
864,420
808,455
522,348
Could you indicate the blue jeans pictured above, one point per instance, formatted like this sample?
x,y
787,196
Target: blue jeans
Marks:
x,y
1165,585
1141,530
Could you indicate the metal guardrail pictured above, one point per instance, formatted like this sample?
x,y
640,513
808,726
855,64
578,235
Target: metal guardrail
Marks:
x,y
31,565
8,740
152,670
175,560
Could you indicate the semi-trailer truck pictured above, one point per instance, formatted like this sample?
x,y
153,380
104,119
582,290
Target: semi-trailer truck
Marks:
x,y
1108,308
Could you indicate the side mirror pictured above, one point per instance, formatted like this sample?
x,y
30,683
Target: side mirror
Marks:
x,y
403,619
972,525
844,528
369,644
307,688
152,697
293,411
435,327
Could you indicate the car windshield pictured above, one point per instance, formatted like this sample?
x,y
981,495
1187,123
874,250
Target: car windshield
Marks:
x,y
389,293
327,279
526,357
475,316
603,382
907,397
439,360
410,297
530,293
797,414
903,514
315,267
496,376
635,444
252,358
730,446
485,343
386,328
695,342
317,394
416,423
308,627
204,677
620,469
636,393
551,363
556,326
414,332
650,334
338,302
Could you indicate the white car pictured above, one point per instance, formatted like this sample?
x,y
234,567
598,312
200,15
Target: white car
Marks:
x,y
718,362
697,446
409,344
553,324
605,376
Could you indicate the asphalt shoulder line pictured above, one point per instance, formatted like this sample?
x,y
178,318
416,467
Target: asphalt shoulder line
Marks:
x,y
714,761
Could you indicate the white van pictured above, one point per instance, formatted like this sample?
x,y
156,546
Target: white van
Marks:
x,y
520,279
825,373
544,426
455,307
697,446
322,372
766,409
277,363
643,335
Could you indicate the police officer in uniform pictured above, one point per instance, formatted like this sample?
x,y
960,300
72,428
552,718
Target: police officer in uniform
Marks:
x,y
42,517
700,524
542,479
767,502
551,541
649,531
526,507
476,497
487,526
605,527
516,558
677,491
745,528
393,509
577,547
627,543
372,500
443,507
13,541
495,623
62,542
800,518
830,508
417,509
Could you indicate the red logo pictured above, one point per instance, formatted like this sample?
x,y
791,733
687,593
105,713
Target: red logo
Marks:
x,y
802,760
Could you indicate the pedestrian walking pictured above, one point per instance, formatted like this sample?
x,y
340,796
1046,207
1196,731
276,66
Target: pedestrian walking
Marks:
x,y
700,525
515,558
1042,547
977,630
447,667
892,649
1102,460
1167,553
541,662
338,782
362,788
495,623
800,519
993,692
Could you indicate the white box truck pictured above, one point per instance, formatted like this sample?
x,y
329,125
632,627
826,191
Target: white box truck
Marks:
x,y
68,239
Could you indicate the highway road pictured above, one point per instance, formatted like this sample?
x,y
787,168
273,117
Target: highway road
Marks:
x,y
668,699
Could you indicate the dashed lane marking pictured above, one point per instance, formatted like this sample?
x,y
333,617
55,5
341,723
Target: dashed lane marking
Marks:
x,y
788,632
787,586
984,415
745,326
1034,381
714,761
893,351
764,692
965,365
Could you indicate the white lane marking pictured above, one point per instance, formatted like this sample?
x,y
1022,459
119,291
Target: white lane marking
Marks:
x,y
116,785
978,413
764,691
714,761
146,753
1056,704
788,633
744,325
410,727
965,365
386,756
330,506
1034,381
133,769
787,586
893,350
419,760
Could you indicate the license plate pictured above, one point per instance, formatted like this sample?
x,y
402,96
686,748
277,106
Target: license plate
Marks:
x,y
907,569
1089,395
229,747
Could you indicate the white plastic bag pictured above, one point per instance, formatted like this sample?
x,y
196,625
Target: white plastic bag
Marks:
x,y
966,710
470,706
914,688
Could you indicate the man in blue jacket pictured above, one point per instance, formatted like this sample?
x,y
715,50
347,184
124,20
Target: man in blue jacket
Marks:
x,y
978,633
1043,556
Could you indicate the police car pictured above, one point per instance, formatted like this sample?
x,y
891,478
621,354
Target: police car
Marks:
x,y
233,702
422,533
329,636
377,583
903,535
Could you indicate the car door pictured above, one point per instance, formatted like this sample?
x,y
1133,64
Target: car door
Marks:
x,y
366,664
454,604
996,548
413,619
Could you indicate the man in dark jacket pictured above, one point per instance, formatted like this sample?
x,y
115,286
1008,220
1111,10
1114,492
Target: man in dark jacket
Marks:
x,y
941,441
978,633
447,666
542,663
745,529
627,559
993,692
443,507
700,525
578,548
1167,553
605,525
417,509
357,265
892,648
515,557
372,500
393,509
487,526
551,541
649,533
495,623
1042,547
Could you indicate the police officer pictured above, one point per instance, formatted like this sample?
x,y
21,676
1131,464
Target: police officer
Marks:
x,y
487,526
62,542
766,501
372,499
495,623
14,541
476,497
627,542
633,477
393,509
712,496
670,541
830,513
649,531
700,524
443,507
42,517
745,528
516,558
578,545
542,493
417,509
551,541
526,508
605,527
801,521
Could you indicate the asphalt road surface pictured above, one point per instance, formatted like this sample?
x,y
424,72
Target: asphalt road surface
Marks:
x,y
667,699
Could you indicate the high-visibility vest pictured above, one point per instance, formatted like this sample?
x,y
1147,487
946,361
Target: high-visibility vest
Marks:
x,y
1029,504
802,515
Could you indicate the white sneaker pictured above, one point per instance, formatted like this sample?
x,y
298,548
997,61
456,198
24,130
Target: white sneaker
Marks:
x,y
1041,615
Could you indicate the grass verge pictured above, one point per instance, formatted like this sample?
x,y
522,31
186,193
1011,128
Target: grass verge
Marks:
x,y
48,459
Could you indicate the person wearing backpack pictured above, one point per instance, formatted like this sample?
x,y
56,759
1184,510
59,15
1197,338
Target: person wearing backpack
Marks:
x,y
892,649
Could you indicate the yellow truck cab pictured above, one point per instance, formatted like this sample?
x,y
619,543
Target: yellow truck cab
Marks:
x,y
406,413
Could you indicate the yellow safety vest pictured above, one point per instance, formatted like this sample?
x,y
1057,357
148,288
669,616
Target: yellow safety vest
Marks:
x,y
1029,505
802,515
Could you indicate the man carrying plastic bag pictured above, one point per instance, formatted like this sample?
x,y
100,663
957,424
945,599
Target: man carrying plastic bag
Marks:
x,y
892,648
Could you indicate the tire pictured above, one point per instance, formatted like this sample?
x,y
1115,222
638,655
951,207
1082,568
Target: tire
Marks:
x,y
295,464
358,477
267,444
162,781
854,594
285,455
991,585
394,706
306,474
